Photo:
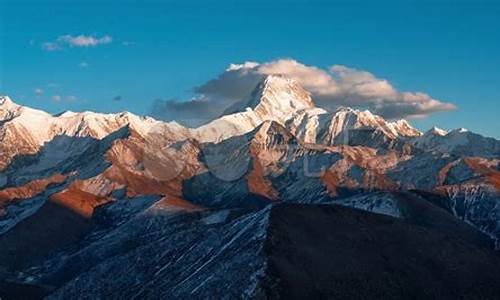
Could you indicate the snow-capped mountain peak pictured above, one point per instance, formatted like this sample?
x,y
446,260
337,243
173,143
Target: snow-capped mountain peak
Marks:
x,y
322,127
349,118
276,97
281,99
5,100
25,130
9,110
436,131
403,128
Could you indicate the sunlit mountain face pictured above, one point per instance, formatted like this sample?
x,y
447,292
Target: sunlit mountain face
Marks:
x,y
275,198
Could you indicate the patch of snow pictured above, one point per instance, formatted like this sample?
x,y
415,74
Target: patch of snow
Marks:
x,y
379,203
217,217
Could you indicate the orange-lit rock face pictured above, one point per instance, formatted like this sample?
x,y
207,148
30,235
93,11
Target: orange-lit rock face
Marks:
x,y
28,190
258,184
443,173
335,177
368,158
98,185
128,170
176,203
365,159
256,181
157,171
376,181
331,181
481,167
139,184
358,154
495,180
80,202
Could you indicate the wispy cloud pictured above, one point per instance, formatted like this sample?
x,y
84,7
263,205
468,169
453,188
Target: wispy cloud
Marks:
x,y
81,40
84,40
83,64
56,98
38,91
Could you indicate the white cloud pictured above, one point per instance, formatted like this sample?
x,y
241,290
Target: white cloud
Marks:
x,y
76,41
56,98
39,91
362,84
84,40
71,98
315,80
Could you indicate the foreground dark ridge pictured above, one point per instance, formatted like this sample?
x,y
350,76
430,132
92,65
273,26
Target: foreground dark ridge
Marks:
x,y
284,251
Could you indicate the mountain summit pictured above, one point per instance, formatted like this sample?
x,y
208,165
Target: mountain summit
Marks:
x,y
276,96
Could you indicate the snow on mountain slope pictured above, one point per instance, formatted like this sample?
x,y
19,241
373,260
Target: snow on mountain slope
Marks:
x,y
262,254
24,130
475,202
418,208
227,126
377,202
57,173
194,259
143,163
276,98
272,163
283,100
317,126
459,141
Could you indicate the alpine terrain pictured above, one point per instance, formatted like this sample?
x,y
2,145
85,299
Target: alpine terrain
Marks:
x,y
276,198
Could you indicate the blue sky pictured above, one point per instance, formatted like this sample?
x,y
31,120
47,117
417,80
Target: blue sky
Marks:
x,y
163,50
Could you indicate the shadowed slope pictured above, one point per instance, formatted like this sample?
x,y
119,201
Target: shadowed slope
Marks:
x,y
336,252
51,227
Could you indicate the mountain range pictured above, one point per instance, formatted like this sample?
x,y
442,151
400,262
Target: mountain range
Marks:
x,y
275,198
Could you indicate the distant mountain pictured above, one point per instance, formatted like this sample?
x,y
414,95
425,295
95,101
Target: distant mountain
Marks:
x,y
459,141
87,199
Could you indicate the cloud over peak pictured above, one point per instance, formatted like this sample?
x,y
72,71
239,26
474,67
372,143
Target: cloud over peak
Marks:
x,y
330,88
